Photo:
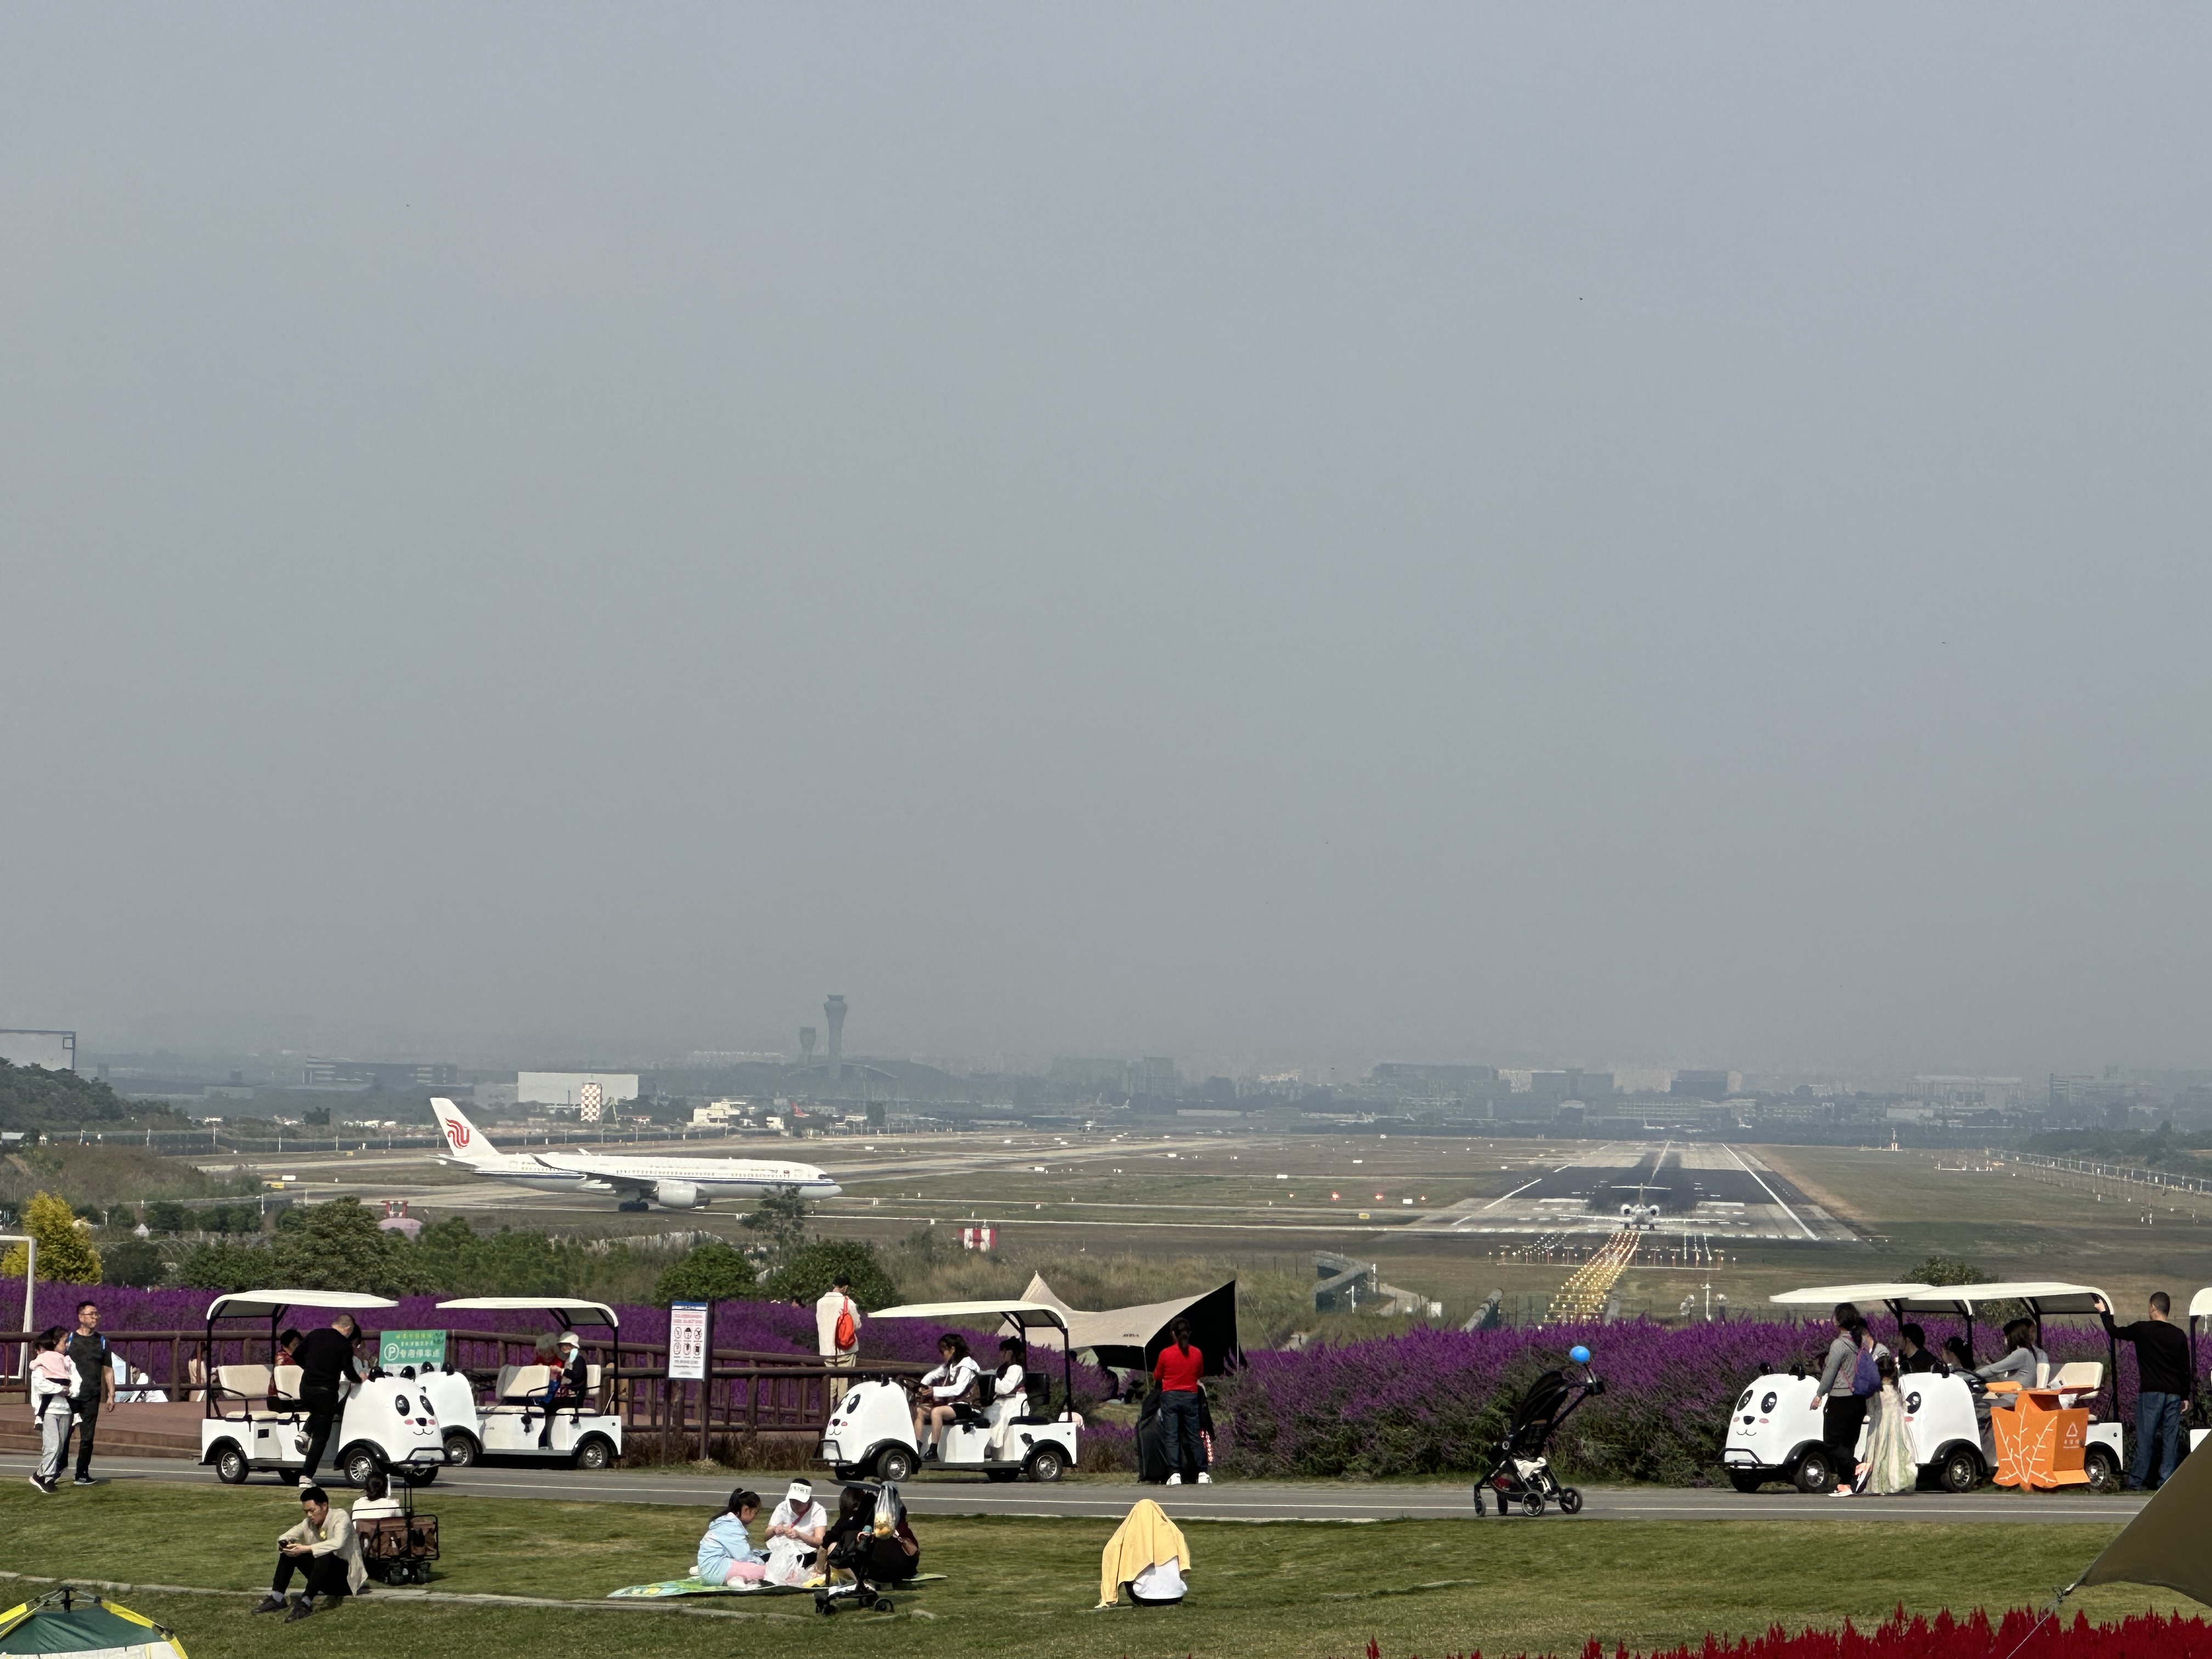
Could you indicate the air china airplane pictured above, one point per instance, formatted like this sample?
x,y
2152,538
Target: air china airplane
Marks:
x,y
674,1183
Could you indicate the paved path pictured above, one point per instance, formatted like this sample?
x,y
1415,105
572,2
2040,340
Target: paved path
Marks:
x,y
1228,1500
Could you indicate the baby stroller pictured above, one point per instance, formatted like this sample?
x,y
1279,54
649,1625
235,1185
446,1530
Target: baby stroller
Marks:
x,y
854,1554
398,1549
1520,1470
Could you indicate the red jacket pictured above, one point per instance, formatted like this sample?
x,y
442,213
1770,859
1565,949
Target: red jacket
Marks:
x,y
1179,1368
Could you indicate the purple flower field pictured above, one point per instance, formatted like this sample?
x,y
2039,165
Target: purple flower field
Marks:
x,y
1433,1402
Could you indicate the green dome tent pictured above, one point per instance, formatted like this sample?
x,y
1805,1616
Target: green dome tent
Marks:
x,y
79,1623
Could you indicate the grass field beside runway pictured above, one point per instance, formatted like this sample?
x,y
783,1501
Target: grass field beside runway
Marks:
x,y
1024,1588
1218,1207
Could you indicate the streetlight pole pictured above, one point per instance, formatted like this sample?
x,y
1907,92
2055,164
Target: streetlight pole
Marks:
x,y
30,1296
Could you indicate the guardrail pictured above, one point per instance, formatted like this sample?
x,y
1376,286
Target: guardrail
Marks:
x,y
2134,1174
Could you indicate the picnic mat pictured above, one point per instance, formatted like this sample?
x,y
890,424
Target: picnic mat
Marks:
x,y
670,1587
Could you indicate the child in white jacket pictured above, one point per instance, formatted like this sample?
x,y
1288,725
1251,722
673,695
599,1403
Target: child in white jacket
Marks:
x,y
54,1384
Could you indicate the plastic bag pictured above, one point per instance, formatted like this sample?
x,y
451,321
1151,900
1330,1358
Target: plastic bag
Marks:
x,y
889,1510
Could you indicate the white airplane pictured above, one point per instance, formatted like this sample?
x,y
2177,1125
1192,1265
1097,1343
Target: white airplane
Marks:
x,y
674,1183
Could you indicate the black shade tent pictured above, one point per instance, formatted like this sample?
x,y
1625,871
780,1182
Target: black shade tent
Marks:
x,y
1131,1338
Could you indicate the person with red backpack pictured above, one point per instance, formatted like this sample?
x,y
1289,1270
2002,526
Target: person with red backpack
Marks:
x,y
837,1331
1848,1382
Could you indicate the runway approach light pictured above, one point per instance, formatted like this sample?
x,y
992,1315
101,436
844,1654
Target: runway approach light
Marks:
x,y
1332,1197
1282,1177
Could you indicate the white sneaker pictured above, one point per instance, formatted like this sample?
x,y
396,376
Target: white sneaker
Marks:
x,y
1175,1480
1204,1479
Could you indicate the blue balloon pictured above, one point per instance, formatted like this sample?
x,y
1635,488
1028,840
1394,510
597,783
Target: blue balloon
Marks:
x,y
1579,1354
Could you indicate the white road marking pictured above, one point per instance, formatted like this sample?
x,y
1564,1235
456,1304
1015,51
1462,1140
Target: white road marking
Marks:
x,y
1769,1191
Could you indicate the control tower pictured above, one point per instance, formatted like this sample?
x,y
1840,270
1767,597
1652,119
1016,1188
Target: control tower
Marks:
x,y
833,1011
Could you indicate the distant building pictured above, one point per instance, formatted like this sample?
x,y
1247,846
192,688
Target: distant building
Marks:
x,y
716,1113
1155,1074
567,1088
1702,1085
1466,1082
55,1050
359,1074
1075,1073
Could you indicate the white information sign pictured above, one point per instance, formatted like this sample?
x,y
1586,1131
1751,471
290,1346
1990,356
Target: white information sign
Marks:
x,y
687,1341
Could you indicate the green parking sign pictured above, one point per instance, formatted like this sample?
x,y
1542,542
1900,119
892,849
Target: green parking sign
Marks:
x,y
415,1348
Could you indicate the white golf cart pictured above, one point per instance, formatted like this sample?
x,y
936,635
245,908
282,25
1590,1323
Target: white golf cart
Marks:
x,y
255,1420
2080,1383
2200,1312
871,1430
584,1433
1775,1432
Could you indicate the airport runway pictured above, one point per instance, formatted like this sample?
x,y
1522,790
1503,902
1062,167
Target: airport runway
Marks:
x,y
1228,1500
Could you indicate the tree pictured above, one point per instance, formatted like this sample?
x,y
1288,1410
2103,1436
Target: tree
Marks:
x,y
713,1271
65,1254
338,1246
813,1268
1947,1270
165,1215
135,1261
779,1222
226,1267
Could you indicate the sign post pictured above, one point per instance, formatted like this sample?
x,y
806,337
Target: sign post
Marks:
x,y
421,1349
691,1352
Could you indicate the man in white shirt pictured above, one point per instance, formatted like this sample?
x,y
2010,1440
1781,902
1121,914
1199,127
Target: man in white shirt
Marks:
x,y
837,1331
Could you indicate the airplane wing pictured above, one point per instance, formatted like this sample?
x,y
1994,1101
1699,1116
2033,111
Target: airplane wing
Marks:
x,y
600,1180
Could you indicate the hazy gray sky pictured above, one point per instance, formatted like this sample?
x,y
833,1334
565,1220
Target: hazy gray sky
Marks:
x,y
1623,533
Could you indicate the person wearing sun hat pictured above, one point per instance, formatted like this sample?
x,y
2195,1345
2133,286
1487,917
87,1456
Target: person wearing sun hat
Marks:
x,y
795,1532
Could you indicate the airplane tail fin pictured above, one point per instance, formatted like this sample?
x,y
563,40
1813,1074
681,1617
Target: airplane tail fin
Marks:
x,y
465,1140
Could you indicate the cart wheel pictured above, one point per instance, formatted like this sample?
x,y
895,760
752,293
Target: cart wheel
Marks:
x,y
1961,1471
1532,1505
1570,1501
360,1464
1745,1480
231,1466
461,1449
1815,1474
2103,1470
1478,1510
1001,1476
882,1604
826,1607
1046,1464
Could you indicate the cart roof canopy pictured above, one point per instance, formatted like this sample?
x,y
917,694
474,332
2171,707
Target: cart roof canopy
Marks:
x,y
77,1621
1023,1314
1133,1337
2201,1304
563,1305
2041,1296
253,1305
1829,1295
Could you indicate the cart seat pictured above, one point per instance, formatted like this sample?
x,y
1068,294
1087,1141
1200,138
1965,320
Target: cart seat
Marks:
x,y
286,1382
524,1385
2077,1376
249,1383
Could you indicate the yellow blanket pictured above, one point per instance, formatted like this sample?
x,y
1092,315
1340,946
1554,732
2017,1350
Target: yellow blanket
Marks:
x,y
1145,1538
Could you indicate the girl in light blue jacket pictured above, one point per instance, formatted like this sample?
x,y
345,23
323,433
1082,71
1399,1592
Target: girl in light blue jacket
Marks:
x,y
726,1552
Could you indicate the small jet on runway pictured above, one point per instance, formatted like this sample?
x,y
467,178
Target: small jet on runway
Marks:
x,y
674,1183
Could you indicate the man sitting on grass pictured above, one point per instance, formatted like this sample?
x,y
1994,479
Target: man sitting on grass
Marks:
x,y
324,1551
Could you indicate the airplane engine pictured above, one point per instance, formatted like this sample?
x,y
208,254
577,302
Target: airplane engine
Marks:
x,y
678,1195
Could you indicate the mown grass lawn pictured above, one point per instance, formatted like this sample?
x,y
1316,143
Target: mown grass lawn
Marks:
x,y
1024,1589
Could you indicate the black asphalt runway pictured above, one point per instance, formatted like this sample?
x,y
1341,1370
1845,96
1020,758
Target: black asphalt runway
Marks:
x,y
1226,1500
